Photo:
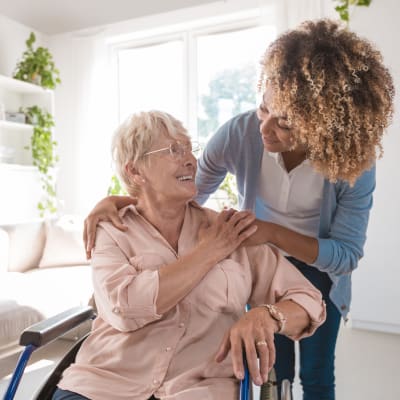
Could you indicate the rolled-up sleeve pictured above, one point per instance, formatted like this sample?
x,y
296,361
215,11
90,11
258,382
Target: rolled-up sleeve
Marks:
x,y
276,279
125,295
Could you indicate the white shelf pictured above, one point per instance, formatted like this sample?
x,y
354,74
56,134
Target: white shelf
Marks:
x,y
15,125
20,86
17,167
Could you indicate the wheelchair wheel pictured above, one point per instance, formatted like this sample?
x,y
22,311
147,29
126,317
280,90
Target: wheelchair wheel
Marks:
x,y
286,393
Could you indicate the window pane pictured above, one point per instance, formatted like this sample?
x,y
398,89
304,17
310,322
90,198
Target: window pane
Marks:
x,y
228,67
150,77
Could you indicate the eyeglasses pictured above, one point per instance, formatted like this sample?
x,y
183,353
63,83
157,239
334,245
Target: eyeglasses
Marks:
x,y
178,150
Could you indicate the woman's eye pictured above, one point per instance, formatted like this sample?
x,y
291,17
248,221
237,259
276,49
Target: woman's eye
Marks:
x,y
283,124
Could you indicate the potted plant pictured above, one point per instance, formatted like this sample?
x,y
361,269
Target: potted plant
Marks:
x,y
37,66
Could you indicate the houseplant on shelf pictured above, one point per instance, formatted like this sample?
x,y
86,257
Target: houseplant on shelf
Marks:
x,y
43,155
37,66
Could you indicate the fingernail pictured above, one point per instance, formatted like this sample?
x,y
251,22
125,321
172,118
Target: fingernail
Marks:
x,y
259,381
240,375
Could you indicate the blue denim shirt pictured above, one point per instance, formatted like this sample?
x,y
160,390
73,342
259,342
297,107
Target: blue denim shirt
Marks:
x,y
237,147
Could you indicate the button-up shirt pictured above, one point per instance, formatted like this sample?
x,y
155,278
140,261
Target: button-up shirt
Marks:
x,y
134,352
295,200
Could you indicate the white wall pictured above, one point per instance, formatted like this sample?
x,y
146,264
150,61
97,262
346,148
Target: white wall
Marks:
x,y
366,360
376,283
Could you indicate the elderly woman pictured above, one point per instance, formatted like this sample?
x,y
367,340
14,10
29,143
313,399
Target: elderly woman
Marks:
x,y
170,286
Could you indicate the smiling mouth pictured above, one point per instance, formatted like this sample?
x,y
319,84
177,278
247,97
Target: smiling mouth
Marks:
x,y
185,178
269,141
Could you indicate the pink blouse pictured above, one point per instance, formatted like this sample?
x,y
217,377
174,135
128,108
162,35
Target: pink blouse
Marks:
x,y
134,352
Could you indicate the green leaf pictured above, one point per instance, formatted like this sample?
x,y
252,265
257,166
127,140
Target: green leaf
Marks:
x,y
43,154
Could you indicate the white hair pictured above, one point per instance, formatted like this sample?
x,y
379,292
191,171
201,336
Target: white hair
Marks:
x,y
135,137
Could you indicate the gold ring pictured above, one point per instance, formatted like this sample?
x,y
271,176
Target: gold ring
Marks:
x,y
261,343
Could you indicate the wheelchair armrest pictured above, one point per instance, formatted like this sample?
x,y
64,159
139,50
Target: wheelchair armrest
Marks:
x,y
46,331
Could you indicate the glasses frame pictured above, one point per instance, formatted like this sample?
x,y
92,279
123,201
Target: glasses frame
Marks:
x,y
195,147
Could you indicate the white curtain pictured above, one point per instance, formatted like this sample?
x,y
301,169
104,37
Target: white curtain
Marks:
x,y
85,119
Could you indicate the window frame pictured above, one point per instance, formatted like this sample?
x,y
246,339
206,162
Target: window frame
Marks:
x,y
188,33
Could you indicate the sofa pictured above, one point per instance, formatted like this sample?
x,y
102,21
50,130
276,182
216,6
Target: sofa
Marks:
x,y
43,271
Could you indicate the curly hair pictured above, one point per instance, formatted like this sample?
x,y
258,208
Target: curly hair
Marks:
x,y
336,93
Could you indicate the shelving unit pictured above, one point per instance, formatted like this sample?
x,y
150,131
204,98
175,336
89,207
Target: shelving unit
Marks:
x,y
16,136
16,126
20,180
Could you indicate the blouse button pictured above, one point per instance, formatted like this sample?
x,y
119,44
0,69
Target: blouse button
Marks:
x,y
156,382
168,348
181,325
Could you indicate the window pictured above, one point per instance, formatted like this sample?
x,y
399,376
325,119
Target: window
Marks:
x,y
201,76
150,77
227,70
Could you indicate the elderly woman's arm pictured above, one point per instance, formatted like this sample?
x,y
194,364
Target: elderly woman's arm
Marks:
x,y
258,326
130,297
283,301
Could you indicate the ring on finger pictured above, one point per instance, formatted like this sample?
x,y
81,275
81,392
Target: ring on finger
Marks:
x,y
261,343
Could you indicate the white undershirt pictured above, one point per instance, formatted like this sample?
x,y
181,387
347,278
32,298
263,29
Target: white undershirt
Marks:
x,y
292,199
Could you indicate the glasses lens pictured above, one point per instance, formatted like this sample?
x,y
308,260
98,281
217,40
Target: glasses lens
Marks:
x,y
196,149
176,150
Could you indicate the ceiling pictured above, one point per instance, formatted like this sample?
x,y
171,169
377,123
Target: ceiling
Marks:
x,y
58,16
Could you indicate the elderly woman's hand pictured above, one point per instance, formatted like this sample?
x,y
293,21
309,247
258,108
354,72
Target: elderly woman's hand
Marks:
x,y
253,335
105,210
230,229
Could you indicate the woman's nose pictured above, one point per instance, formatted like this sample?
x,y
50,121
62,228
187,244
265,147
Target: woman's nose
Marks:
x,y
266,125
189,159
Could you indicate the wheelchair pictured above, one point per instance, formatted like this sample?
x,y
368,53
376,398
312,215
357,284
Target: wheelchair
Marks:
x,y
42,333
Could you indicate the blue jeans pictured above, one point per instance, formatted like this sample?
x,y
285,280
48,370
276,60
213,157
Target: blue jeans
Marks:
x,y
317,353
67,395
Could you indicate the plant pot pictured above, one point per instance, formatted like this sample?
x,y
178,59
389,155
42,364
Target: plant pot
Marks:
x,y
36,79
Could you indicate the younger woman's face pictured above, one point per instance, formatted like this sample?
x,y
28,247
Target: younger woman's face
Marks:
x,y
275,132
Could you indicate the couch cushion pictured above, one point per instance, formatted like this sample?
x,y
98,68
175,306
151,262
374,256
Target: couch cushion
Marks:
x,y
25,245
53,290
14,319
4,249
29,297
64,243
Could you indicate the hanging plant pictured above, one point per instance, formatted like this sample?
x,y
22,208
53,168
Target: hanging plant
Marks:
x,y
37,66
43,154
343,7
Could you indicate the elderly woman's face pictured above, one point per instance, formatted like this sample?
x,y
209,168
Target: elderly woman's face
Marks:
x,y
275,132
171,169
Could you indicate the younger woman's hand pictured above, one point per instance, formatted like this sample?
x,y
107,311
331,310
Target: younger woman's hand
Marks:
x,y
105,210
